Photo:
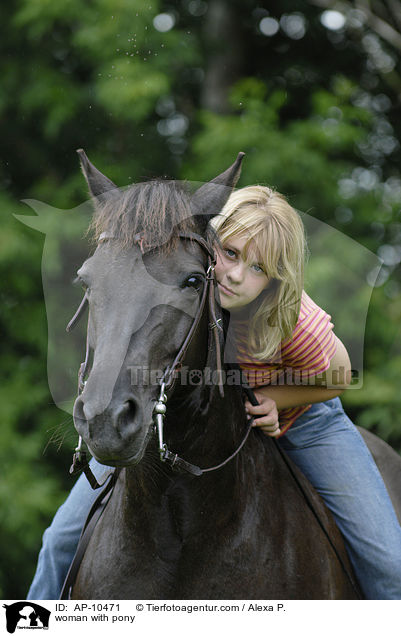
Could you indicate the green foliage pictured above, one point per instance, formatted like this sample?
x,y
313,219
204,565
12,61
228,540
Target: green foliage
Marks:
x,y
135,96
30,489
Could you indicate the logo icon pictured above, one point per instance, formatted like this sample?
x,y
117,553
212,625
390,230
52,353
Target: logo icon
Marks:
x,y
26,615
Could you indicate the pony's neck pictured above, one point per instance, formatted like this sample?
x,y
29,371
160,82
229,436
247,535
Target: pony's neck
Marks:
x,y
205,437
205,430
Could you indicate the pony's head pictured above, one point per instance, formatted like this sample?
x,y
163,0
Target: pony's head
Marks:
x,y
143,285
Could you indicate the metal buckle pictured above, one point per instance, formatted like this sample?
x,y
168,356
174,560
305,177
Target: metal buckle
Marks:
x,y
216,324
210,273
159,412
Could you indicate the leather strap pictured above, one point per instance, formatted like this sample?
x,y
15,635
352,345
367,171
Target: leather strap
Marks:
x,y
180,464
95,513
169,375
83,305
80,463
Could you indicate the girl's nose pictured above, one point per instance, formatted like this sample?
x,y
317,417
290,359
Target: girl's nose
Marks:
x,y
236,272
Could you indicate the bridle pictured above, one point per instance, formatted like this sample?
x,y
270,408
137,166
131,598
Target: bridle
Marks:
x,y
171,372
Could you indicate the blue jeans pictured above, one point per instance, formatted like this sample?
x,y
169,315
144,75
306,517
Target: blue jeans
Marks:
x,y
328,449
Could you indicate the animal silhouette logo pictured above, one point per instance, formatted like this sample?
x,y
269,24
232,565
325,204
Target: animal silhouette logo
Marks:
x,y
26,615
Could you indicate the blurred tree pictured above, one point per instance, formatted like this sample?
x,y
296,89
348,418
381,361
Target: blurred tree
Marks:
x,y
310,90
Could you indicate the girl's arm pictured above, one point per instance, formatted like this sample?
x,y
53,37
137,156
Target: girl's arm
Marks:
x,y
325,386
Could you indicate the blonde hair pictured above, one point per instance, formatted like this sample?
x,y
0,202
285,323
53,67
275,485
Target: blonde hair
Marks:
x,y
267,220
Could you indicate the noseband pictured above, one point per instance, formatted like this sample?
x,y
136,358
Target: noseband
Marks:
x,y
171,372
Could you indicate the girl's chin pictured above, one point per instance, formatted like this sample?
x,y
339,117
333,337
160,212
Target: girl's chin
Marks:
x,y
233,309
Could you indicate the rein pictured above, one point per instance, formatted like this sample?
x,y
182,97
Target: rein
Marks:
x,y
172,458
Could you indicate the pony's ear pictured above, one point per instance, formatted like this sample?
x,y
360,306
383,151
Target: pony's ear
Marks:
x,y
210,198
97,182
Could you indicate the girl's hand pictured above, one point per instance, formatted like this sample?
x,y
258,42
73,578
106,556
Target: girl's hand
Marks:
x,y
266,413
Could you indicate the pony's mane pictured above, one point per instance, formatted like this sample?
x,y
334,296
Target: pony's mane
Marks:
x,y
157,210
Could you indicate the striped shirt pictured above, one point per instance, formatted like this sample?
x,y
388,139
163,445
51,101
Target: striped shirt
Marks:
x,y
305,354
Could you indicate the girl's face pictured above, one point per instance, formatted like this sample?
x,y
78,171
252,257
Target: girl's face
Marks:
x,y
240,276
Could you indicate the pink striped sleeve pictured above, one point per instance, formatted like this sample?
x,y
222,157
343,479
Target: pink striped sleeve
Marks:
x,y
312,344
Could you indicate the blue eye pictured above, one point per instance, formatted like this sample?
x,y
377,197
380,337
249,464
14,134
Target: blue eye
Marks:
x,y
230,253
257,268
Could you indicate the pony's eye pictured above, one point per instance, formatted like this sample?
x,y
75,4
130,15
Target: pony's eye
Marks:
x,y
195,281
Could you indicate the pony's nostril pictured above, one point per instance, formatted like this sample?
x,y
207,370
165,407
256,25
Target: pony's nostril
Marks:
x,y
79,409
80,419
130,409
125,418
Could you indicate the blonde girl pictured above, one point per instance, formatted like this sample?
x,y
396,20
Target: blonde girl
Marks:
x,y
293,360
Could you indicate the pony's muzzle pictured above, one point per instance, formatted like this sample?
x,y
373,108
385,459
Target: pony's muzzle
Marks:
x,y
117,424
